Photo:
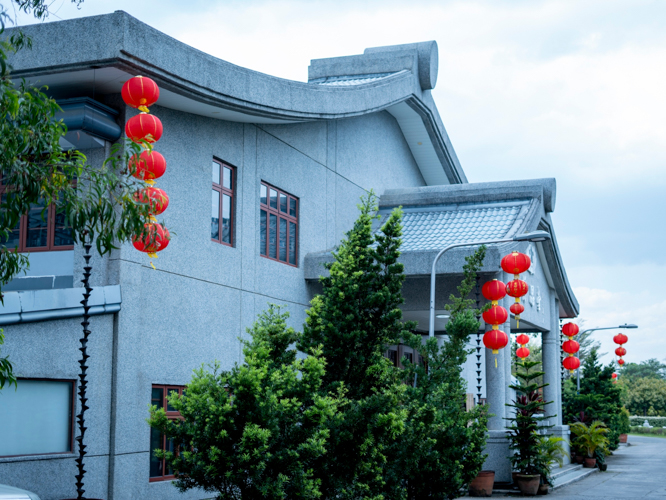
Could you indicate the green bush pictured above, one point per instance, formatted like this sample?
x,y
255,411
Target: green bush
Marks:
x,y
653,421
659,431
624,421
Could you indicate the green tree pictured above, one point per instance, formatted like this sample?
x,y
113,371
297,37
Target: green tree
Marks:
x,y
641,394
650,368
256,431
599,398
441,450
356,318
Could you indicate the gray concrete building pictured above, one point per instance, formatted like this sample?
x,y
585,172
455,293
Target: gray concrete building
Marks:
x,y
286,163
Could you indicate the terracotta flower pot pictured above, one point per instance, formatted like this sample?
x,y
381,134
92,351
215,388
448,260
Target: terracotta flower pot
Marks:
x,y
623,438
579,459
590,463
482,484
528,484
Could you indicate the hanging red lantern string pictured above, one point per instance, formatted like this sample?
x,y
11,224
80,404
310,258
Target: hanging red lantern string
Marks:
x,y
494,291
614,377
522,352
495,339
570,330
516,263
147,166
620,339
141,92
571,363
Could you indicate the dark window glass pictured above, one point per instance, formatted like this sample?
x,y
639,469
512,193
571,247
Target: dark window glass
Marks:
x,y
14,237
278,224
38,226
215,216
292,243
223,203
62,231
156,464
262,232
283,240
159,469
226,218
272,241
157,398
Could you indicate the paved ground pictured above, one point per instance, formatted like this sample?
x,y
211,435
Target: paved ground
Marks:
x,y
637,471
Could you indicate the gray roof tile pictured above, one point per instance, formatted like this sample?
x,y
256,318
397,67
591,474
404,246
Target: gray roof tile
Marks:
x,y
434,227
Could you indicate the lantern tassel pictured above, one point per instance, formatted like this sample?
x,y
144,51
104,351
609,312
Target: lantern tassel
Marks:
x,y
143,108
518,321
152,255
495,362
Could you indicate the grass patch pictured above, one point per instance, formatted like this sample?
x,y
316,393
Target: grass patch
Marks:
x,y
662,436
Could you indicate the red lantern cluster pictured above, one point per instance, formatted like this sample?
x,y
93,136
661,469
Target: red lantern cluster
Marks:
x,y
620,339
516,263
141,92
522,340
571,347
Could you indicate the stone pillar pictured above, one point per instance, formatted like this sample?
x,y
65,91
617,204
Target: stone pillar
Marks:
x,y
551,366
497,444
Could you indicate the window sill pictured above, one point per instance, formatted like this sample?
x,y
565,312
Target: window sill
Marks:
x,y
42,305
31,458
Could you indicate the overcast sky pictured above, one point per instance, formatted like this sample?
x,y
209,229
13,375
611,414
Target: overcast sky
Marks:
x,y
527,89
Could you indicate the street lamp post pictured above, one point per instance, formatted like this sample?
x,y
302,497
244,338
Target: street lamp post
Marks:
x,y
594,330
532,236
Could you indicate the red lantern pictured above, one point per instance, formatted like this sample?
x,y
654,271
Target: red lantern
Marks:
x,y
522,339
620,351
496,315
620,338
515,263
620,361
494,290
144,128
614,375
495,340
571,363
148,166
154,239
140,92
516,288
570,330
155,197
517,309
522,352
571,347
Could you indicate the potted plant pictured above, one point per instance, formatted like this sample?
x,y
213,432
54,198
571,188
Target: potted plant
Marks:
x,y
591,438
624,425
524,439
482,484
550,452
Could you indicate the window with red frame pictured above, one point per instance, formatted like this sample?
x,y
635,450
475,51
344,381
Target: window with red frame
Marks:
x,y
41,229
278,225
159,469
223,203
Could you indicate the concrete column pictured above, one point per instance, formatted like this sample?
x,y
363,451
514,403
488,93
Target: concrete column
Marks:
x,y
509,394
550,343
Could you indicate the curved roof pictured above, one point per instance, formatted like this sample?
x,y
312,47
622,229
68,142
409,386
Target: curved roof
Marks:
x,y
104,51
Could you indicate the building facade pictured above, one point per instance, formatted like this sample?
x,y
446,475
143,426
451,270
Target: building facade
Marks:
x,y
285,163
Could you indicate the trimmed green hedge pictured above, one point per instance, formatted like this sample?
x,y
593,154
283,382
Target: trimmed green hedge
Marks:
x,y
646,430
653,421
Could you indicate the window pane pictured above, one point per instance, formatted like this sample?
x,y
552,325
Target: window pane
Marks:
x,y
263,194
292,207
292,243
262,232
226,180
226,218
272,237
283,203
63,232
36,418
215,216
12,239
171,390
156,440
169,447
216,172
273,198
283,240
157,397
37,226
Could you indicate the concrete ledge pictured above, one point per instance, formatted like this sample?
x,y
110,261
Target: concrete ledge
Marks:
x,y
42,305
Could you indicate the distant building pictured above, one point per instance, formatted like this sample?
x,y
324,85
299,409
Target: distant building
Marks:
x,y
285,163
